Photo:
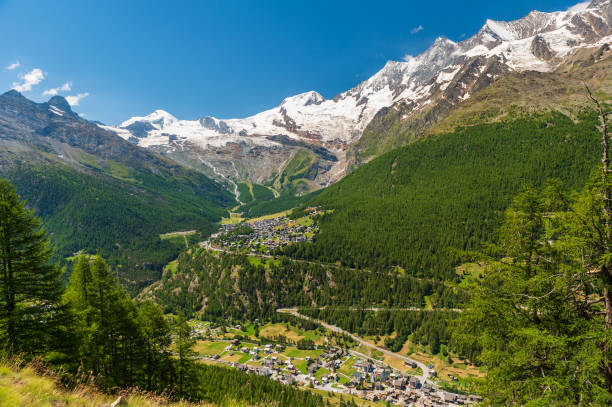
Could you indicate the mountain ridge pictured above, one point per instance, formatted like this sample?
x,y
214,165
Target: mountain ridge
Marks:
x,y
259,147
96,192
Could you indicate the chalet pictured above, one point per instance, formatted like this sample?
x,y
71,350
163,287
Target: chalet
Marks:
x,y
399,384
365,367
474,398
410,363
264,371
380,374
373,397
449,397
414,382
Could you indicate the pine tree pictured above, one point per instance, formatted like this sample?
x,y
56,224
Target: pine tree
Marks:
x,y
30,289
156,336
108,332
185,370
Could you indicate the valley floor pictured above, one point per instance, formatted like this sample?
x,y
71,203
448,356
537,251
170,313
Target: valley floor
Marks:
x,y
367,371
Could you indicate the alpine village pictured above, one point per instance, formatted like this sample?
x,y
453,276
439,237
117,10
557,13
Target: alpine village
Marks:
x,y
438,235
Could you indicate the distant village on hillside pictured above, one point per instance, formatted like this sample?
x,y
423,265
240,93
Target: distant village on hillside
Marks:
x,y
264,236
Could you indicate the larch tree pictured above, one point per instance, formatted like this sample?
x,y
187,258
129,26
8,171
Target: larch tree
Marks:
x,y
30,288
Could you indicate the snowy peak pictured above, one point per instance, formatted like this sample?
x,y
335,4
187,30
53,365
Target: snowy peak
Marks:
x,y
446,73
304,99
158,119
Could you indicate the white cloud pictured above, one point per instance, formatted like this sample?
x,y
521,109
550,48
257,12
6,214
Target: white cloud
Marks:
x,y
75,99
408,57
416,29
67,87
14,65
32,78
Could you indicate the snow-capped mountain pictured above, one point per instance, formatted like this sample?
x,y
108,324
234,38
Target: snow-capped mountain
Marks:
x,y
259,147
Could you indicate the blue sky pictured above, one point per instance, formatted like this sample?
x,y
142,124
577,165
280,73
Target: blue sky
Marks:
x,y
220,58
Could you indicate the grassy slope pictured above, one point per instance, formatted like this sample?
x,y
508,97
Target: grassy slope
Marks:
x,y
24,387
529,92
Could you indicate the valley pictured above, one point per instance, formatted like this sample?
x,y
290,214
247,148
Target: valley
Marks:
x,y
323,361
437,235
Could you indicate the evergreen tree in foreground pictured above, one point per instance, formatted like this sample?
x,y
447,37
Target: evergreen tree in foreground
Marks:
x,y
542,309
30,311
185,371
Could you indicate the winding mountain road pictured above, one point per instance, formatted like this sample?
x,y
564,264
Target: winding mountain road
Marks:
x,y
361,341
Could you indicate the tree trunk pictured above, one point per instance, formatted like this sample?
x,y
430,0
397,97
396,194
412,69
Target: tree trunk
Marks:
x,y
605,273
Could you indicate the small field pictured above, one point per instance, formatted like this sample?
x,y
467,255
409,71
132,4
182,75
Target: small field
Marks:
x,y
271,216
234,219
263,261
441,365
292,333
177,234
210,347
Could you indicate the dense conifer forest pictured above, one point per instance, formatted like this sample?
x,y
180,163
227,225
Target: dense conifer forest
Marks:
x,y
235,286
121,221
93,332
417,206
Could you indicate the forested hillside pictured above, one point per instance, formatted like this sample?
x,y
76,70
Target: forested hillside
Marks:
x,y
411,207
120,220
216,285
97,192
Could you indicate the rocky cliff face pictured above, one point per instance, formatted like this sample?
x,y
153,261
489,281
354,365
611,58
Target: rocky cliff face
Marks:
x,y
340,131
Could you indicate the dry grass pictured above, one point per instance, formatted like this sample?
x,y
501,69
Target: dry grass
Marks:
x,y
442,367
34,386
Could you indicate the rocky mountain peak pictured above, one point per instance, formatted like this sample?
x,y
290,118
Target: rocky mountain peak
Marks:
x,y
445,74
61,103
12,94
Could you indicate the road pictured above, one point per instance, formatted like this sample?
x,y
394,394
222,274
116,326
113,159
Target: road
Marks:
x,y
207,246
361,341
376,309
